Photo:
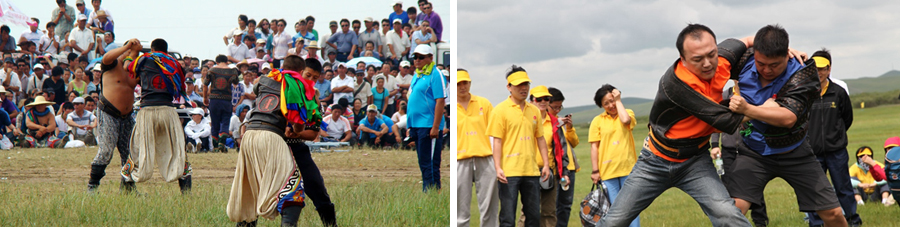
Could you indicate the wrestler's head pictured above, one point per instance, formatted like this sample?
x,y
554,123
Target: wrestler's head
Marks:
x,y
313,69
294,63
518,83
697,46
771,51
159,45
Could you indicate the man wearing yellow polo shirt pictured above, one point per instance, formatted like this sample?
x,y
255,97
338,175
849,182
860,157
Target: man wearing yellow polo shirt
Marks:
x,y
517,138
612,142
473,156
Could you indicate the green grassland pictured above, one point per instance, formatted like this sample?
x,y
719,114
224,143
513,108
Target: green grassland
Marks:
x,y
47,187
871,127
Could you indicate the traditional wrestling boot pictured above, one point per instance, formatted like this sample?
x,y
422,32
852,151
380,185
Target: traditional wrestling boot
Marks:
x,y
185,181
246,224
222,148
127,187
326,213
290,215
97,173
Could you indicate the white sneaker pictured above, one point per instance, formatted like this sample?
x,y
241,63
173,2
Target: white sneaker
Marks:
x,y
860,202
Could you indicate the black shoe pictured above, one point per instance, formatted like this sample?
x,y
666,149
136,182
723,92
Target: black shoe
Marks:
x,y
128,187
92,188
246,224
97,173
185,185
326,213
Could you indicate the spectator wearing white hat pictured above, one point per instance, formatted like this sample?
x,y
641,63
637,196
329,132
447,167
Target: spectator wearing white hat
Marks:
x,y
371,35
197,132
237,50
64,18
404,79
398,14
397,43
81,39
426,111
83,122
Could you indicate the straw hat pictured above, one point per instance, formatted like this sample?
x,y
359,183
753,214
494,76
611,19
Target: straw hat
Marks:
x,y
40,100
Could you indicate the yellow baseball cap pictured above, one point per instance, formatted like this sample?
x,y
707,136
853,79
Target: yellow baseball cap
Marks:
x,y
864,151
517,78
540,91
462,76
821,62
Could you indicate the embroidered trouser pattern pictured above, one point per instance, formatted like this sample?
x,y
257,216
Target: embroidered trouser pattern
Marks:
x,y
113,133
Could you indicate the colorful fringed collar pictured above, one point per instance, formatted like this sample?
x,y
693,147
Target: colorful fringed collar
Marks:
x,y
298,98
174,78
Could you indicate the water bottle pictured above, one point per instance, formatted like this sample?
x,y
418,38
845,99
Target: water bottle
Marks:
x,y
562,182
719,169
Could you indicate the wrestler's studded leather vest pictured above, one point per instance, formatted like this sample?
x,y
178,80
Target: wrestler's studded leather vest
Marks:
x,y
675,101
220,81
266,114
154,89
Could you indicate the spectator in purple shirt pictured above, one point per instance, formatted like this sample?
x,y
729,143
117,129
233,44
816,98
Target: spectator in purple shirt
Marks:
x,y
8,105
434,20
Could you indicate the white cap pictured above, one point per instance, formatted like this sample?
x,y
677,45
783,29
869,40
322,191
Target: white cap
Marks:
x,y
97,67
81,17
423,49
404,63
233,66
445,72
38,66
372,107
397,3
339,64
237,32
397,21
78,100
265,66
197,111
368,19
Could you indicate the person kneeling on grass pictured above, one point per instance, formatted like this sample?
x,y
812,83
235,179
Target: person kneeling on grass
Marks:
x,y
41,125
867,176
369,133
197,133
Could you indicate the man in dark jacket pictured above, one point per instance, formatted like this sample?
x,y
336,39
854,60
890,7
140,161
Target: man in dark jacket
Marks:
x,y
829,119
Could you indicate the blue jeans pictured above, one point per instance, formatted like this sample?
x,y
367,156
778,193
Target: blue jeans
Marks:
x,y
342,56
429,152
220,116
613,186
835,163
530,189
653,175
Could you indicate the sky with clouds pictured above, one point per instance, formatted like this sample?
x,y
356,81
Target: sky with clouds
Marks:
x,y
579,45
196,27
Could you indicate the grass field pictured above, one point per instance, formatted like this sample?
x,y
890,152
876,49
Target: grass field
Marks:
x,y
870,127
47,187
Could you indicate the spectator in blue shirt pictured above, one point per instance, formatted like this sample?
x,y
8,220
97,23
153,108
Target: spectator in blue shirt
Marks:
x,y
398,14
425,112
372,129
345,42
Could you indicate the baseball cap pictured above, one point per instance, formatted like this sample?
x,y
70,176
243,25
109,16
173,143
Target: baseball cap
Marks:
x,y
462,76
97,67
265,66
404,63
368,19
261,41
341,64
237,32
423,49
821,62
540,91
78,100
864,151
9,60
332,23
197,70
397,3
189,80
197,111
518,78
38,66
892,142
397,21
79,2
372,107
81,17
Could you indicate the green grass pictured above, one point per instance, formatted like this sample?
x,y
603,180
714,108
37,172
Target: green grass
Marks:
x,y
47,187
871,127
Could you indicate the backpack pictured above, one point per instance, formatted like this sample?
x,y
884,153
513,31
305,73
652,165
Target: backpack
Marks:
x,y
594,205
892,168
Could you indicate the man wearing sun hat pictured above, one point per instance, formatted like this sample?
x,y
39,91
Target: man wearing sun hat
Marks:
x,y
830,116
425,115
518,137
474,159
41,127
312,52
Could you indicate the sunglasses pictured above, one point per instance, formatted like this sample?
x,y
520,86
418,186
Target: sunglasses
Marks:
x,y
420,57
405,67
344,25
542,99
22,65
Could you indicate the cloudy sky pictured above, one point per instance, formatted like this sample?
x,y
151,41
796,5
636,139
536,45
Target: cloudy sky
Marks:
x,y
196,27
578,46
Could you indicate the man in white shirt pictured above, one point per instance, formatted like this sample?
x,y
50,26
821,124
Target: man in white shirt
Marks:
x,y
242,27
95,21
81,39
35,80
343,85
337,128
61,124
404,79
32,34
49,43
237,50
397,42
247,84
83,122
197,132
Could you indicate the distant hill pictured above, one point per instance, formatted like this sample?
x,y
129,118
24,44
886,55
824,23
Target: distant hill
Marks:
x,y
885,82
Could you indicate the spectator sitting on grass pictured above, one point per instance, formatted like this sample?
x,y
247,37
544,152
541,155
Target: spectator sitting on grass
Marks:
x,y
867,176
